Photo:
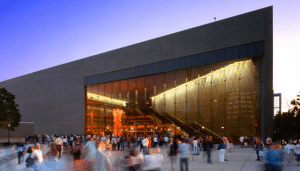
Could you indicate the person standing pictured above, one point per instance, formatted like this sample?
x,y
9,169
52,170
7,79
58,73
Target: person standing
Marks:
x,y
114,143
195,146
145,143
166,140
221,149
26,138
122,140
242,141
155,141
288,149
173,152
184,151
209,147
59,142
226,148
65,142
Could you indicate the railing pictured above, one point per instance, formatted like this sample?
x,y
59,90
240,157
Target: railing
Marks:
x,y
203,127
183,125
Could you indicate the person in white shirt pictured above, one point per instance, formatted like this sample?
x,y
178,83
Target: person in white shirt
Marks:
x,y
38,153
145,143
242,141
59,142
65,142
195,146
288,149
166,140
155,141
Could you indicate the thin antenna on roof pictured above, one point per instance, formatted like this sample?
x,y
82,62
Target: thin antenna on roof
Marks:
x,y
215,18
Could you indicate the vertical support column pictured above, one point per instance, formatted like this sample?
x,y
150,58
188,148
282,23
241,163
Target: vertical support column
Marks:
x,y
267,101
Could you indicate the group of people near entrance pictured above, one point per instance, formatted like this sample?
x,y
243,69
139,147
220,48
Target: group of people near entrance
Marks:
x,y
275,155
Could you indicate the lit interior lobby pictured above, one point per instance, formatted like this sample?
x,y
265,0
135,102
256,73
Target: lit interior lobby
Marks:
x,y
219,99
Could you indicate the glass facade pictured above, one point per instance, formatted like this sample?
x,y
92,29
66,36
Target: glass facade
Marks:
x,y
221,97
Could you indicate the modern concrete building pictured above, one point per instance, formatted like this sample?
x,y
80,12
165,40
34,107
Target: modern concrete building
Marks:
x,y
216,77
277,103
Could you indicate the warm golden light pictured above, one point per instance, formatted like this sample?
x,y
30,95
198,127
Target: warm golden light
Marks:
x,y
118,121
106,99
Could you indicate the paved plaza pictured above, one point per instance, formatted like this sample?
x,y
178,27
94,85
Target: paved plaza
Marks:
x,y
242,159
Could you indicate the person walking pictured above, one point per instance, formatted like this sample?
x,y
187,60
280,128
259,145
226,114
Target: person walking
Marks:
x,y
288,149
258,148
21,152
52,153
221,148
209,147
184,151
38,155
173,152
30,161
76,150
59,143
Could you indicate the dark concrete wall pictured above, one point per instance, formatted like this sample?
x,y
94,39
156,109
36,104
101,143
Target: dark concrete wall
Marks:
x,y
54,98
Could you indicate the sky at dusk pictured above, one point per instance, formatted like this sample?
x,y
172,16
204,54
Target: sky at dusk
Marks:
x,y
36,35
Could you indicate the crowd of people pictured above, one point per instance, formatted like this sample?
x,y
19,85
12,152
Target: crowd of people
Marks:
x,y
150,147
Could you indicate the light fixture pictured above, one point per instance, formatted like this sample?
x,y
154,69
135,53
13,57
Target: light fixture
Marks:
x,y
203,127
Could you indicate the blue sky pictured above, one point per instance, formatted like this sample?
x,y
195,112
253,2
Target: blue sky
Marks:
x,y
36,35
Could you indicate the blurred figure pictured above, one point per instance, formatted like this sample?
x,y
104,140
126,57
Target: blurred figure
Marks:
x,y
209,147
195,146
153,160
30,161
221,149
114,143
145,143
242,141
173,152
258,147
21,152
38,153
184,150
288,149
274,157
76,150
297,151
59,144
52,153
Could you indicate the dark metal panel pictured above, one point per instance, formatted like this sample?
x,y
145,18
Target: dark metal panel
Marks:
x,y
260,48
232,53
243,51
251,50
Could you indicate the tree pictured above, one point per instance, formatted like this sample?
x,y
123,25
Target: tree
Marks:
x,y
287,124
9,113
296,105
